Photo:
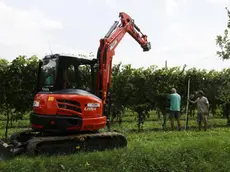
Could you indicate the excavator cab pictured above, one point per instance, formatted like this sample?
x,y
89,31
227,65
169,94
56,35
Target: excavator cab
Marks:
x,y
58,72
65,100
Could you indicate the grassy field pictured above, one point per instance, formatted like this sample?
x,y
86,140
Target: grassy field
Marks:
x,y
149,150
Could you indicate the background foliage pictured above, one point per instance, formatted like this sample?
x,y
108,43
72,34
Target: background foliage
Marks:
x,y
140,90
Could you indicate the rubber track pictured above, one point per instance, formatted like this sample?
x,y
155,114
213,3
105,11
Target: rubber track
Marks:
x,y
75,143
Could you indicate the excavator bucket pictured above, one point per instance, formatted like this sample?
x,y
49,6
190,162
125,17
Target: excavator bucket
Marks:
x,y
5,151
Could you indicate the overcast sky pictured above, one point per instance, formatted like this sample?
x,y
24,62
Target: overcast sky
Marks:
x,y
180,31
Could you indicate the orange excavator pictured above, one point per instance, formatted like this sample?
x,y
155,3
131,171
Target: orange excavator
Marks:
x,y
73,100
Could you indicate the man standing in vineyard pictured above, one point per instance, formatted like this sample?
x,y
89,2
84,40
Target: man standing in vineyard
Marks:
x,y
202,108
174,110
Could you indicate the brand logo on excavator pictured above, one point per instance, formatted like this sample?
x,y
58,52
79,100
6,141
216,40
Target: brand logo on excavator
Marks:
x,y
91,106
89,109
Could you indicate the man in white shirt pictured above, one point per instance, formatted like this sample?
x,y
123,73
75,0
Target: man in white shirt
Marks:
x,y
202,109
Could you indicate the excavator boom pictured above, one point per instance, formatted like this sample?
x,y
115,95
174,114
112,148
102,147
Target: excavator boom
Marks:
x,y
106,52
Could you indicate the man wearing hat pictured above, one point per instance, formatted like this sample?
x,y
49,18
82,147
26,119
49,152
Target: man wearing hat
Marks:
x,y
202,109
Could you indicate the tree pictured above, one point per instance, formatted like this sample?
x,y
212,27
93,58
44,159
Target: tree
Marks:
x,y
223,41
224,53
121,89
17,87
138,100
3,69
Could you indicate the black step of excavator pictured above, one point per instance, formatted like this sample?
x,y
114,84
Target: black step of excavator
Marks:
x,y
32,143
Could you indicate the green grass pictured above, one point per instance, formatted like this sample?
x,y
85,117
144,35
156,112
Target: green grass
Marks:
x,y
150,150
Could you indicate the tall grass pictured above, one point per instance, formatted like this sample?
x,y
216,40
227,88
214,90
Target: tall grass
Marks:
x,y
149,150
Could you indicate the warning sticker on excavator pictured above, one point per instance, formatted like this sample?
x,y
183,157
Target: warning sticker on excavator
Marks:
x,y
51,99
